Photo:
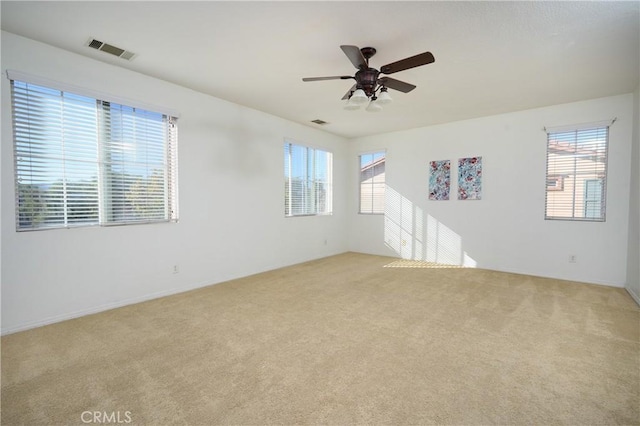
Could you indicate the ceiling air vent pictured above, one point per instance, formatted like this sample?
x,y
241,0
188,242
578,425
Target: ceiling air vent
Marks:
x,y
320,122
108,48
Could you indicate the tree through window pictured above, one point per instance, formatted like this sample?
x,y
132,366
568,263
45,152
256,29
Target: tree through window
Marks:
x,y
81,161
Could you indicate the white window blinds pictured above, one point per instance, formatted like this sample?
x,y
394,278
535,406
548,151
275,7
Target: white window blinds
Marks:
x,y
577,174
372,183
82,161
307,181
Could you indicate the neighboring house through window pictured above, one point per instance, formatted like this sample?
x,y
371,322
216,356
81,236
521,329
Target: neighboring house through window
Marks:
x,y
593,191
372,182
577,174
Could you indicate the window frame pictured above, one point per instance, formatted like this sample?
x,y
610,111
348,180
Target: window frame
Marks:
x,y
288,167
360,183
62,96
595,139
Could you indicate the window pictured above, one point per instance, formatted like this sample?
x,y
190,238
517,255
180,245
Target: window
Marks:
x,y
555,183
372,183
80,161
307,181
593,198
576,174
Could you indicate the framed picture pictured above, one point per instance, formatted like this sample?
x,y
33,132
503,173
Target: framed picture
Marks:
x,y
439,179
470,178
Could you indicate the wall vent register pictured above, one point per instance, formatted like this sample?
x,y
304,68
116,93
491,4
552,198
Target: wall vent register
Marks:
x,y
111,49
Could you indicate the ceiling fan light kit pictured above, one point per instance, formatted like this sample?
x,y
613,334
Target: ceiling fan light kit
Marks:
x,y
374,105
369,85
351,106
358,97
384,97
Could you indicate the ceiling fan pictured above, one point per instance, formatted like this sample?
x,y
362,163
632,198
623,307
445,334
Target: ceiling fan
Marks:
x,y
369,85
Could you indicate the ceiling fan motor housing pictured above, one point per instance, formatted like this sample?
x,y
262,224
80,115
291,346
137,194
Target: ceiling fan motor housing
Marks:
x,y
367,79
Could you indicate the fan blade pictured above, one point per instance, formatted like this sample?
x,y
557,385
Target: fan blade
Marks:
x,y
398,85
337,77
404,64
346,95
355,56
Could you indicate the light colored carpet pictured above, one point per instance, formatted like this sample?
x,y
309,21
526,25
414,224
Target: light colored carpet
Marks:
x,y
341,340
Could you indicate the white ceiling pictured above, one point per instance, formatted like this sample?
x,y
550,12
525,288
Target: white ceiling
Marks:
x,y
491,57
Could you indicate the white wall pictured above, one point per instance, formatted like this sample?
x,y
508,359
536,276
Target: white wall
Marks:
x,y
633,259
231,213
506,230
232,220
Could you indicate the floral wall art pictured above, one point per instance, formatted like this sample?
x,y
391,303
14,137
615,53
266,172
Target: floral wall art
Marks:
x,y
439,179
470,178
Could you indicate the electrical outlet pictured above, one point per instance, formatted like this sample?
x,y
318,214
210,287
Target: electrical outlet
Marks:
x,y
572,258
176,269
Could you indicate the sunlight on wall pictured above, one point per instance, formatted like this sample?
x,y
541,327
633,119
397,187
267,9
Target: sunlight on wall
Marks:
x,y
417,236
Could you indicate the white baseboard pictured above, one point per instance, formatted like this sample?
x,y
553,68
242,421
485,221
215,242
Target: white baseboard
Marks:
x,y
120,303
536,274
157,295
633,295
101,308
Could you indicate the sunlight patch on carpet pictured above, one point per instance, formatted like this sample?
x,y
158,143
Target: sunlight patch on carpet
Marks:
x,y
407,263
